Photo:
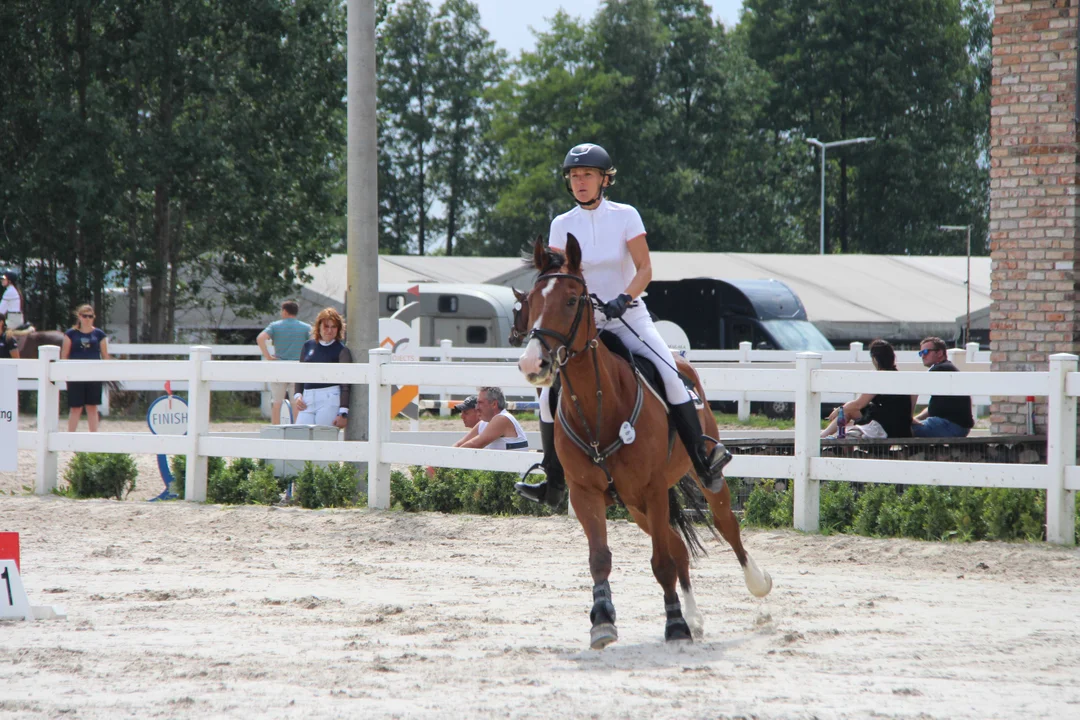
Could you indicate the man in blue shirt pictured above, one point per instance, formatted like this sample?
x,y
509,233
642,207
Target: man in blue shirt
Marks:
x,y
288,335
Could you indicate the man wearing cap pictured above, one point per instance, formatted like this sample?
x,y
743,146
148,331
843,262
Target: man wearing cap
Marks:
x,y
500,431
467,409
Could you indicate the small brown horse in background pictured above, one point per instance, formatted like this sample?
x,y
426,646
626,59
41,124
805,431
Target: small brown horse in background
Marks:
x,y
30,340
598,395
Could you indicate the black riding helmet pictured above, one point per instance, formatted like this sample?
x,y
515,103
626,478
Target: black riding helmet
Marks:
x,y
588,155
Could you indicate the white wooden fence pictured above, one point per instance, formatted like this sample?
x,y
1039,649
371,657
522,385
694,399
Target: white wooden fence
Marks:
x,y
807,381
970,359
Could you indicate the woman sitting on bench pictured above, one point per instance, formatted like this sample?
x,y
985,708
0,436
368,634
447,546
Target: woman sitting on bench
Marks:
x,y
876,416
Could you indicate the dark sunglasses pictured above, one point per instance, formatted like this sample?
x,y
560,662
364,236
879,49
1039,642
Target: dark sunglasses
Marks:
x,y
83,315
924,353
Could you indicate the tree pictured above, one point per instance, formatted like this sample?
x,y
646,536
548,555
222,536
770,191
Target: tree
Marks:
x,y
466,66
910,74
677,103
173,142
407,124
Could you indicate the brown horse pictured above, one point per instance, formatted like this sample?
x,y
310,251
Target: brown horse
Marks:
x,y
30,340
600,397
519,329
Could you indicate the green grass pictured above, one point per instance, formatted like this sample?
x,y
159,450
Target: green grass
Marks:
x,y
755,421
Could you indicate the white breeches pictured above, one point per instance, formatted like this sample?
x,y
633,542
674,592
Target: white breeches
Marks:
x,y
322,406
651,346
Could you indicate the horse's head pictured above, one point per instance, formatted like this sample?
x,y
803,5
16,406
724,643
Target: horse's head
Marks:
x,y
559,311
520,327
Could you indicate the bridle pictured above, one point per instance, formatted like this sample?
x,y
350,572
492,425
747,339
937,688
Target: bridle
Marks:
x,y
518,335
566,341
591,445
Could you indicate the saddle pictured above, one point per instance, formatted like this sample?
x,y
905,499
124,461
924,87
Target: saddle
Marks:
x,y
647,369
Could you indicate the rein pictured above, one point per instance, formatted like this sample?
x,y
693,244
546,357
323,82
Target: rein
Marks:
x,y
591,445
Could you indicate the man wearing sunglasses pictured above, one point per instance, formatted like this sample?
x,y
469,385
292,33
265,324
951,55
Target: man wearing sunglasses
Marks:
x,y
946,415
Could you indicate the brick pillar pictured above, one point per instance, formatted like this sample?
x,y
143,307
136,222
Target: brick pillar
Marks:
x,y
1033,194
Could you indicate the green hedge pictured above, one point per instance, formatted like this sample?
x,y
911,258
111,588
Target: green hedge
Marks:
x,y
926,512
469,491
337,485
100,475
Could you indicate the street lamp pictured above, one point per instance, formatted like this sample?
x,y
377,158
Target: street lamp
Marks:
x,y
967,229
825,146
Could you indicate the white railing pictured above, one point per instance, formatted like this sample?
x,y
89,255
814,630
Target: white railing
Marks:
x,y
806,382
969,359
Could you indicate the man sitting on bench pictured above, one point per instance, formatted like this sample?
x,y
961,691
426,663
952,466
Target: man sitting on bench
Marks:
x,y
497,429
946,415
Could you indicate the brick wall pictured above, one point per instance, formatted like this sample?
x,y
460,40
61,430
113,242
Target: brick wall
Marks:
x,y
1033,173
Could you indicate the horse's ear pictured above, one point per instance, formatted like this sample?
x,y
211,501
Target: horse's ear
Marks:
x,y
538,253
518,295
573,254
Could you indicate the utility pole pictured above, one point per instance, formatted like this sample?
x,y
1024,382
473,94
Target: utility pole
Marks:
x,y
967,282
362,297
825,146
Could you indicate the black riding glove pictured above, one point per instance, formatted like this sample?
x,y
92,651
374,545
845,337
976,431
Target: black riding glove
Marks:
x,y
616,308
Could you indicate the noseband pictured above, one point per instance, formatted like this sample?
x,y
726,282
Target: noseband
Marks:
x,y
566,341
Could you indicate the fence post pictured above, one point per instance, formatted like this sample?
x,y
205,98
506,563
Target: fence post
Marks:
x,y
445,347
1060,453
744,404
807,443
378,430
855,348
198,425
48,411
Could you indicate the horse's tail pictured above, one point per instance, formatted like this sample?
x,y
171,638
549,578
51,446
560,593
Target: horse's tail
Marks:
x,y
696,510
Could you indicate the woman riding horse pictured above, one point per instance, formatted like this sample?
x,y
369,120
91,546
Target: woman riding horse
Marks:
x,y
613,440
616,266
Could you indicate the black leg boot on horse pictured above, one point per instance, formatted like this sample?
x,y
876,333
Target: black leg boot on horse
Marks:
x,y
708,465
553,490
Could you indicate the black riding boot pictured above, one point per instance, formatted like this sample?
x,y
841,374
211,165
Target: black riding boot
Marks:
x,y
551,491
708,465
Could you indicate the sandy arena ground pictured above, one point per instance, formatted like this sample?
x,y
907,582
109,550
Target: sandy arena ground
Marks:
x,y
181,610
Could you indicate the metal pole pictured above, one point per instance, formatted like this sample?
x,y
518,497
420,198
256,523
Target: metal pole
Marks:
x,y
362,297
967,332
822,233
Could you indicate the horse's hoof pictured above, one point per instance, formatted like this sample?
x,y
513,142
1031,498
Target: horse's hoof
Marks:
x,y
603,635
678,631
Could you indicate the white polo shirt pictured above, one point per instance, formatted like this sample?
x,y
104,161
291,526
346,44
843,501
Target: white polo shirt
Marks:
x,y
603,235
10,303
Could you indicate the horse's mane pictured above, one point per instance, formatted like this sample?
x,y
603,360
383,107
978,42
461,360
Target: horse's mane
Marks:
x,y
554,260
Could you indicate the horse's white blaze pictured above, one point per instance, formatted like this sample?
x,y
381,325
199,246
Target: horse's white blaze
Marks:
x,y
550,286
758,581
692,615
529,362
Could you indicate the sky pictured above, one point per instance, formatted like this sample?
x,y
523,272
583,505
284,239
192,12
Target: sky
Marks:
x,y
508,21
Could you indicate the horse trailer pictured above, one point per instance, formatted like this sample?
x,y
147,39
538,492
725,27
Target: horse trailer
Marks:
x,y
467,315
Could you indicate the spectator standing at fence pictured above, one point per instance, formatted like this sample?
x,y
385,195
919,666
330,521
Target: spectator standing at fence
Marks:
x,y
324,403
497,429
877,416
9,346
84,342
11,301
288,335
946,415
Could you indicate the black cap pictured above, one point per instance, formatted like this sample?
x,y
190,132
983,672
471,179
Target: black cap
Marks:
x,y
467,404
